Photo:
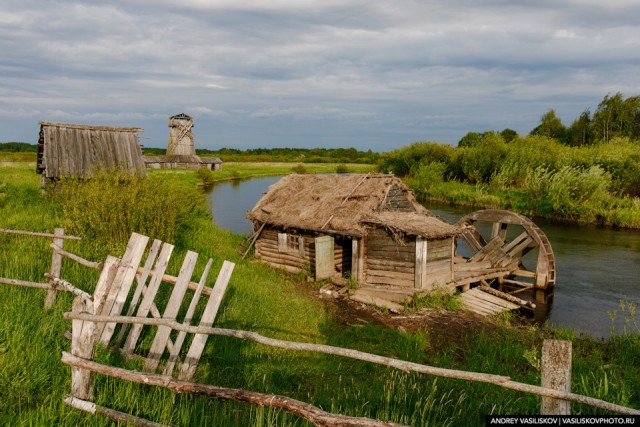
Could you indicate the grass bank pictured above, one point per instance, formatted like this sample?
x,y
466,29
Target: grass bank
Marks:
x,y
244,170
33,381
608,211
533,175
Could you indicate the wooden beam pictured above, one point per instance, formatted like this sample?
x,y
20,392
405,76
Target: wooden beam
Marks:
x,y
302,409
32,233
76,258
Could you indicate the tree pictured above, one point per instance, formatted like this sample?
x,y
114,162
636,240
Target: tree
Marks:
x,y
607,120
551,126
509,135
631,117
471,139
580,131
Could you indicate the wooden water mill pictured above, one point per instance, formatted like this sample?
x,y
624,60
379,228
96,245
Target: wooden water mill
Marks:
x,y
497,256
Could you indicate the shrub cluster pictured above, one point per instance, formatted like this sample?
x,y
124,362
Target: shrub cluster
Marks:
x,y
599,183
111,205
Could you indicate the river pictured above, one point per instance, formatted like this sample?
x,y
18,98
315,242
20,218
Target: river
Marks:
x,y
596,267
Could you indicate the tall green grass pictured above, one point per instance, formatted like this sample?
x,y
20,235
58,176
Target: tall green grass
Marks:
x,y
111,205
534,175
33,381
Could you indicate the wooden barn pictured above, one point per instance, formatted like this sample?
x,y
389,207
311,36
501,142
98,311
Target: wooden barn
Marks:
x,y
72,150
366,228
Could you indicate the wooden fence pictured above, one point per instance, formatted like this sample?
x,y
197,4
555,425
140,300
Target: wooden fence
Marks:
x,y
58,237
95,318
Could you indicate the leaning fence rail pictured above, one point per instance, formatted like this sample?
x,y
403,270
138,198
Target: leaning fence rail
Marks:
x,y
499,380
58,237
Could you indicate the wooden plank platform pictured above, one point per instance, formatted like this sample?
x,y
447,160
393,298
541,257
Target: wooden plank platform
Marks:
x,y
485,304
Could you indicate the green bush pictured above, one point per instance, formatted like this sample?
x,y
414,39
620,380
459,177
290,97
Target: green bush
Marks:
x,y
480,161
571,187
111,205
342,168
429,174
300,169
206,176
401,162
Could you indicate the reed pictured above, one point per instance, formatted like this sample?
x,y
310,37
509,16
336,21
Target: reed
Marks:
x,y
111,205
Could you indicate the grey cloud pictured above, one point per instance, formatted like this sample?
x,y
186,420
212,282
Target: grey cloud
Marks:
x,y
319,72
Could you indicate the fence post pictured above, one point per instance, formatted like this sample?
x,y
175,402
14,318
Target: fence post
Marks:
x,y
556,374
82,340
56,266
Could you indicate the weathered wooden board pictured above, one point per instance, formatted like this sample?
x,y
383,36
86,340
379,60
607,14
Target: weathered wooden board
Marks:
x,y
56,266
171,311
121,284
409,277
173,356
484,304
380,302
188,368
83,336
283,258
437,278
439,249
389,280
325,261
398,296
141,287
471,266
403,267
149,296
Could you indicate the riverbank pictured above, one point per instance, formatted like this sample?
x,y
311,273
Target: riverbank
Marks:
x,y
278,305
615,212
535,176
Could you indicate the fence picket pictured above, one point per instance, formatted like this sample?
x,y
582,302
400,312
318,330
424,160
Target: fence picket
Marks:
x,y
171,311
188,368
149,296
141,287
82,333
56,267
122,282
173,357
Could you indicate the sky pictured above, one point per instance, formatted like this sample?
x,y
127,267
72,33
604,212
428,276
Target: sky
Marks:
x,y
376,75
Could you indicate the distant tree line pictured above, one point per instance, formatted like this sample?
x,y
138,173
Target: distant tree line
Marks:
x,y
299,155
586,171
615,117
18,147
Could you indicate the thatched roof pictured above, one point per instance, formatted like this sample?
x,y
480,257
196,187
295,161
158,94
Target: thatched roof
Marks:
x,y
78,150
414,224
344,204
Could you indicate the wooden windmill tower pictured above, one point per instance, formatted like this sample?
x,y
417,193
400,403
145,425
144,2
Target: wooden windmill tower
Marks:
x,y
181,148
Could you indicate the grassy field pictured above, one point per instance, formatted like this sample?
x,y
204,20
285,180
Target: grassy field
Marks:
x,y
33,381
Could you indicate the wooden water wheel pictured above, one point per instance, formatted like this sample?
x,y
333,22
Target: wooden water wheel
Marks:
x,y
512,236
